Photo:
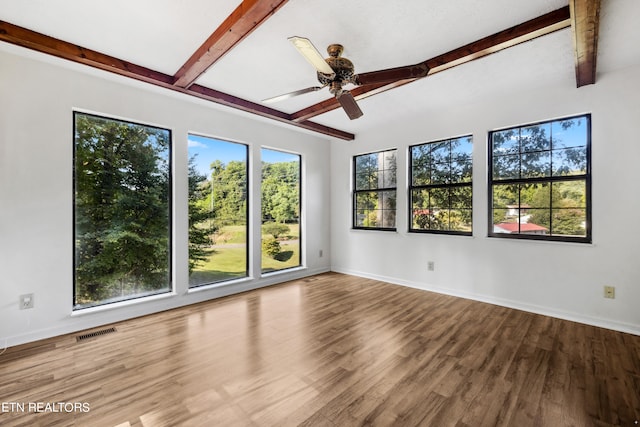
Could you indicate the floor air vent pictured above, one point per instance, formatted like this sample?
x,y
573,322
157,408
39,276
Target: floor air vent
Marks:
x,y
95,334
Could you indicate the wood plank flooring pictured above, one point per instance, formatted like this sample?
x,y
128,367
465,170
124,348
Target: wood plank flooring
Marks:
x,y
330,350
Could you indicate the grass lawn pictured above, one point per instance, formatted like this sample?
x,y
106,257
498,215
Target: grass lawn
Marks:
x,y
223,264
230,262
231,234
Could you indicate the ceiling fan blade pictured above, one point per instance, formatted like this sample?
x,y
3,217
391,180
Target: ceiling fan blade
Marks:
x,y
349,105
311,54
292,94
391,75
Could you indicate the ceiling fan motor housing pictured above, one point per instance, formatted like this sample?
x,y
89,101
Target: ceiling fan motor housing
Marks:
x,y
342,67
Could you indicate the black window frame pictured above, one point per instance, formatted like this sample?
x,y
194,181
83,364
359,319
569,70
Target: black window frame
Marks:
x,y
247,211
448,185
586,177
263,271
356,192
78,307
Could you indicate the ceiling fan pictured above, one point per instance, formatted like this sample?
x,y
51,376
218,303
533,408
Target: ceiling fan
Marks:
x,y
337,71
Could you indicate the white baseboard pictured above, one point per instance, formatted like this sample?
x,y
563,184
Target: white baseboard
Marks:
x,y
141,307
518,305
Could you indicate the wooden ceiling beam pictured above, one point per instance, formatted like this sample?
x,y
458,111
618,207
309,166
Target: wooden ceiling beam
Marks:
x,y
534,28
259,109
248,16
42,43
585,21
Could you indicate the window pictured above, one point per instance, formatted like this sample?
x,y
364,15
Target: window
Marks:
x,y
281,237
122,200
374,195
540,181
440,186
218,210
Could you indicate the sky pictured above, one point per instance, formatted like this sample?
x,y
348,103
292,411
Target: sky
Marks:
x,y
210,149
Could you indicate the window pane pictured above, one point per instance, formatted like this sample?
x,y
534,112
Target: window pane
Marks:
x,y
360,217
389,178
506,206
570,161
122,210
461,198
367,180
569,222
420,164
389,218
280,193
460,220
505,142
535,221
366,163
569,133
218,210
389,161
539,199
443,206
461,149
506,167
367,200
461,171
420,176
536,164
375,209
439,220
535,138
569,194
420,209
440,152
438,198
366,172
440,173
535,195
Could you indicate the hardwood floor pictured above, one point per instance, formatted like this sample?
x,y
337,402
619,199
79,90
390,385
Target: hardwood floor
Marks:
x,y
330,350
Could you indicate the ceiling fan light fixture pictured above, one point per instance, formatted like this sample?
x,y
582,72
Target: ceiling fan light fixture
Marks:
x,y
311,54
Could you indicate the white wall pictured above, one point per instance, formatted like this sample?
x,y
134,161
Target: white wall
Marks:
x,y
560,279
37,97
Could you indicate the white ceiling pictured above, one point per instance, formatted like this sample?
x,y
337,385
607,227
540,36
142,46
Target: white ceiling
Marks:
x,y
377,34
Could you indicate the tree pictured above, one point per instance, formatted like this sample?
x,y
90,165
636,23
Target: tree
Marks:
x,y
271,247
280,191
200,224
121,208
275,229
229,183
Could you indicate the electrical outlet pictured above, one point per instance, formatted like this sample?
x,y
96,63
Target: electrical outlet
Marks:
x,y
431,266
26,301
610,292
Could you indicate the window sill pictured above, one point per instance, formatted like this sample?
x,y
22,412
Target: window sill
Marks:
x,y
120,304
218,285
287,270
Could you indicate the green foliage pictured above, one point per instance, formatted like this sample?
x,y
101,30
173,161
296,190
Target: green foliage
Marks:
x,y
121,208
437,168
545,151
280,192
271,247
201,226
229,184
275,229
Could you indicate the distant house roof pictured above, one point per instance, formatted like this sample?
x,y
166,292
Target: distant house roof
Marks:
x,y
512,227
